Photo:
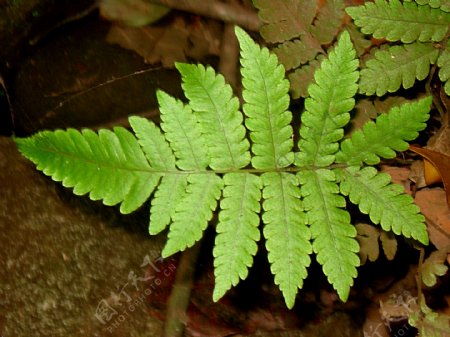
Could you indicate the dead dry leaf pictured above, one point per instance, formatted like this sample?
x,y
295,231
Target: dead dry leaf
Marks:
x,y
135,13
171,43
433,206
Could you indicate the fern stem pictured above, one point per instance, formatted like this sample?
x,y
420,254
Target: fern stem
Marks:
x,y
180,295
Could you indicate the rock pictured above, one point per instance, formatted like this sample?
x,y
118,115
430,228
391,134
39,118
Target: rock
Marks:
x,y
64,257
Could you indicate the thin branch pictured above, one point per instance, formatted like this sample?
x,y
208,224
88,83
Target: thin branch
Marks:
x,y
239,15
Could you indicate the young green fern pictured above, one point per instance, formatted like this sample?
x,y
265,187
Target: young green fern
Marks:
x,y
199,159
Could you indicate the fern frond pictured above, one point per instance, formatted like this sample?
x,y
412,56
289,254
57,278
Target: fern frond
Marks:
x,y
396,21
444,68
266,103
334,238
329,20
302,77
193,212
183,132
217,111
285,20
305,49
397,66
327,108
386,135
287,236
109,165
384,202
237,231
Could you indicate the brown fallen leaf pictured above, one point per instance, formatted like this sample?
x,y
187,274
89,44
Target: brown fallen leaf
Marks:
x,y
436,168
135,13
171,43
433,206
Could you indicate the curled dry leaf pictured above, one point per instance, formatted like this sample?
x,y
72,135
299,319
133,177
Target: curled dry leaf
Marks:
x,y
436,168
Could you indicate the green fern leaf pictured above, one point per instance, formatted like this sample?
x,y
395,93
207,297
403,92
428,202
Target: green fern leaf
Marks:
x,y
334,238
218,114
193,212
266,103
237,231
396,21
183,132
285,20
397,66
386,135
386,203
328,21
327,109
287,237
109,165
442,4
444,71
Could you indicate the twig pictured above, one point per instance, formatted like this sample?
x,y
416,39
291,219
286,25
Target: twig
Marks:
x,y
239,15
181,291
11,113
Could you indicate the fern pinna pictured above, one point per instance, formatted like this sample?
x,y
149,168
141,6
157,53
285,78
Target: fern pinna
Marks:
x,y
200,159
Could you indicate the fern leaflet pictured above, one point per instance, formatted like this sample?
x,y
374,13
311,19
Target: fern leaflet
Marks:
x,y
396,21
112,159
386,135
385,203
444,71
266,103
334,238
327,109
218,113
287,237
397,66
237,230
